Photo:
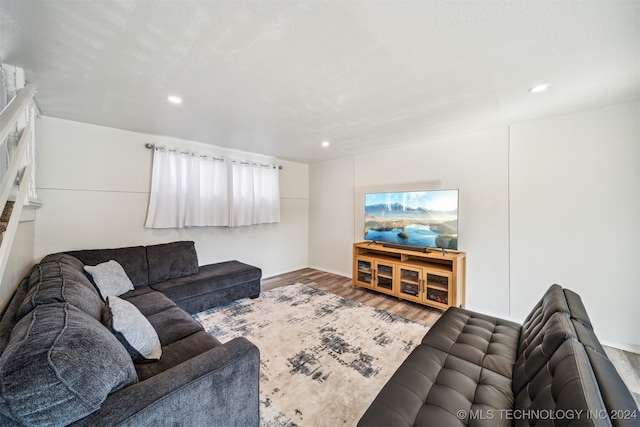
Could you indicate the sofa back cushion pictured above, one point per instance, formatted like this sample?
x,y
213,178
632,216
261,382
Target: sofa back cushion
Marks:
x,y
553,301
587,337
59,366
540,348
577,310
60,278
171,260
133,259
565,387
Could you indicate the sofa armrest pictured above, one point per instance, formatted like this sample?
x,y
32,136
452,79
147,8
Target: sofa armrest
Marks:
x,y
217,387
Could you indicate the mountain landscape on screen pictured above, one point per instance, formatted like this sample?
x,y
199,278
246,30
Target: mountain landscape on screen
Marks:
x,y
415,218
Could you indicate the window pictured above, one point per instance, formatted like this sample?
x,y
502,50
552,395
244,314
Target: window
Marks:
x,y
191,190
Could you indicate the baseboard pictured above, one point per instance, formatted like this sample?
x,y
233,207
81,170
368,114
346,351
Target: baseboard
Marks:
x,y
279,273
339,273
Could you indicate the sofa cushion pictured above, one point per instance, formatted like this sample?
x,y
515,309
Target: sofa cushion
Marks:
x,y
209,277
9,316
173,324
552,301
140,290
540,348
587,337
176,353
59,366
623,410
60,278
149,303
133,259
486,341
577,309
110,278
171,260
432,387
132,329
565,385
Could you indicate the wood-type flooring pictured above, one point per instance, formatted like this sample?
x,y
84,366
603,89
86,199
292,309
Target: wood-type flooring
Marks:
x,y
627,364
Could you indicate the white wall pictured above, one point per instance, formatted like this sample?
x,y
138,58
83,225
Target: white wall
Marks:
x,y
476,164
94,183
575,214
552,200
331,210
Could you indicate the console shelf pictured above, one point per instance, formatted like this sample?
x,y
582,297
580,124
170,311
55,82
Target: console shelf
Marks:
x,y
431,278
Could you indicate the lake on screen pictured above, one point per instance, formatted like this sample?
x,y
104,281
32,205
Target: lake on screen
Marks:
x,y
420,235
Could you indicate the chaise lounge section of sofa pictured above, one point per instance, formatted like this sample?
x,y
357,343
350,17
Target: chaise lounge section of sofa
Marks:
x,y
60,364
472,369
172,268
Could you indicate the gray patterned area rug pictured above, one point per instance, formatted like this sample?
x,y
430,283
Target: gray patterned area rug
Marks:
x,y
324,358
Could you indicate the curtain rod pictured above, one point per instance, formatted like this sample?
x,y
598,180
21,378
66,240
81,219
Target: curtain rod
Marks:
x,y
151,146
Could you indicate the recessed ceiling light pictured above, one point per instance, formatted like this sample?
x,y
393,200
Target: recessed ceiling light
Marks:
x,y
539,88
174,99
325,144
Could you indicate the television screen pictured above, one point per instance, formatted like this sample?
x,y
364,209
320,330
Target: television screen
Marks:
x,y
415,218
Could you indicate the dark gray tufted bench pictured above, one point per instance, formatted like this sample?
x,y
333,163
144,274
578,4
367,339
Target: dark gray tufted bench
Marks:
x,y
473,369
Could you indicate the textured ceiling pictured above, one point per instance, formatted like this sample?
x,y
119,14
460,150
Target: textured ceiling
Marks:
x,y
279,77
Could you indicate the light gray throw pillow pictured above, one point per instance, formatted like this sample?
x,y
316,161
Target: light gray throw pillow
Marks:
x,y
132,329
110,278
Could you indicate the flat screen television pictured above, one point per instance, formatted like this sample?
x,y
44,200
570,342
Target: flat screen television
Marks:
x,y
416,219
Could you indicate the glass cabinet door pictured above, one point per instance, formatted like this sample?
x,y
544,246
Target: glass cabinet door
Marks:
x,y
365,272
410,283
384,277
437,285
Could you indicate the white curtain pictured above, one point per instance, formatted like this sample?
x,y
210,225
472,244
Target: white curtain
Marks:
x,y
266,195
187,190
190,190
208,193
255,194
242,194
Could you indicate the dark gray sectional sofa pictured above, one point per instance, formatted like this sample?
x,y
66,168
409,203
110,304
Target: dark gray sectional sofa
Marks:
x,y
60,365
472,369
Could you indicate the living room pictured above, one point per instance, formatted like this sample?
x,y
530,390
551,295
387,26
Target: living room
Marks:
x,y
553,197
